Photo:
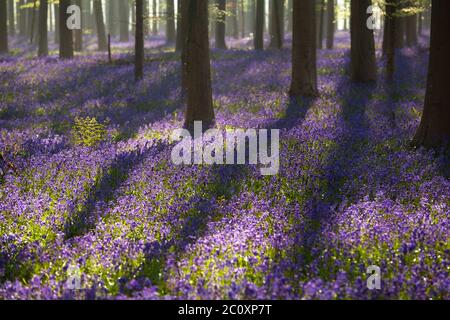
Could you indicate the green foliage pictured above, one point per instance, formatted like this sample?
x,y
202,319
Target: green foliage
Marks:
x,y
87,131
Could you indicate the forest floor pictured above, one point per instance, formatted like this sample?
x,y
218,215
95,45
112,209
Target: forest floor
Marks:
x,y
96,203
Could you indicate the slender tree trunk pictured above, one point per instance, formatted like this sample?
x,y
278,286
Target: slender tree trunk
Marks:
x,y
277,25
170,25
331,25
11,20
139,42
234,18
78,43
420,21
155,18
33,21
242,19
43,38
133,18
101,30
411,30
3,27
198,69
57,33
259,25
389,39
289,16
321,24
220,25
363,63
304,73
434,129
400,32
124,20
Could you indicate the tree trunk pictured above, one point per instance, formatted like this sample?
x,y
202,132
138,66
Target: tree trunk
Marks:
x,y
411,30
259,25
170,26
220,25
181,28
363,63
124,20
66,36
196,61
277,25
331,25
234,18
43,38
139,41
321,24
101,32
400,32
3,27
57,33
289,16
78,44
242,19
389,38
434,129
11,20
155,18
304,73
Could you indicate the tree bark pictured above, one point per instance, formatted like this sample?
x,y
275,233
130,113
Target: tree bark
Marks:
x,y
321,24
139,41
101,29
124,20
411,30
66,36
304,73
57,33
170,26
331,25
154,19
389,38
434,129
196,61
220,25
234,18
259,25
78,44
3,27
43,37
363,63
277,25
11,20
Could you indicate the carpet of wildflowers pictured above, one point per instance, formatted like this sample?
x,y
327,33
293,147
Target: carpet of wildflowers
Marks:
x,y
94,189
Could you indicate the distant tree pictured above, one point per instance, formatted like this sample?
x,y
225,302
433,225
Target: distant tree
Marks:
x,y
363,62
434,129
331,25
3,27
78,43
155,18
11,19
289,16
411,30
56,11
277,25
220,24
259,25
139,41
43,37
321,22
124,22
100,23
304,73
234,18
389,37
170,25
196,61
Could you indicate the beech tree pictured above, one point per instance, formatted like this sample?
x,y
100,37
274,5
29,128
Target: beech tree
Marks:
x,y
66,36
196,62
78,41
43,36
389,37
124,20
259,25
139,41
170,25
434,129
3,27
304,73
363,62
331,25
277,25
100,23
220,25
